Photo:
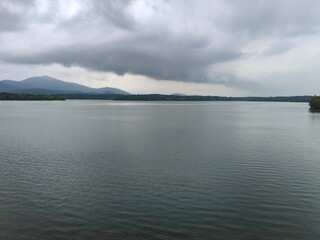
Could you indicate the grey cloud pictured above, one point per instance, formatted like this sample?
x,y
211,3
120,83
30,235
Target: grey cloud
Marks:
x,y
14,14
157,53
153,61
282,18
114,12
167,40
278,48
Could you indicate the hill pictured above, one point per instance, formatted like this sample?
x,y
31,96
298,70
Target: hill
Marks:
x,y
49,85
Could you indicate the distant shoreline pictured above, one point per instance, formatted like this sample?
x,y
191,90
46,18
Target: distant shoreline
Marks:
x,y
162,97
146,97
30,97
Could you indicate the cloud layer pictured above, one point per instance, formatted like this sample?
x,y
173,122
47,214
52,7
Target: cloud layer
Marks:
x,y
234,43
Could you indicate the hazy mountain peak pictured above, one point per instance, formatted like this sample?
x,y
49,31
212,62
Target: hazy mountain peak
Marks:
x,y
41,78
46,84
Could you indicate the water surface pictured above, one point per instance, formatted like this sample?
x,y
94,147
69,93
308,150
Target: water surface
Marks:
x,y
159,170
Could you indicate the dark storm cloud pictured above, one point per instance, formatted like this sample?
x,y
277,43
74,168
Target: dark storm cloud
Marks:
x,y
174,40
121,58
113,11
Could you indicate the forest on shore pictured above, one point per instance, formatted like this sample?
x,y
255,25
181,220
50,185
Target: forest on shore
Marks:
x,y
29,97
155,97
162,97
315,103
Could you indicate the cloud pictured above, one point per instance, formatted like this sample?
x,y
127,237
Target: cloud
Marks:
x,y
278,48
14,14
286,18
188,41
120,40
153,61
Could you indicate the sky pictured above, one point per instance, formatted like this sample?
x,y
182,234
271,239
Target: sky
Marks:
x,y
202,47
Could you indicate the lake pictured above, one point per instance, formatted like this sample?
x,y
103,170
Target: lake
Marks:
x,y
159,170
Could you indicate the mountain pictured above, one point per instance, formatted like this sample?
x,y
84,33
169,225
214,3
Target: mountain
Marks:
x,y
49,85
6,88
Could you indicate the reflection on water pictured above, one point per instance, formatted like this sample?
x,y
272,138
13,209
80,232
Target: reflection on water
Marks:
x,y
315,117
127,170
314,111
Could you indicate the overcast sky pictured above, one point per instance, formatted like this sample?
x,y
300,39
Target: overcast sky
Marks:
x,y
215,47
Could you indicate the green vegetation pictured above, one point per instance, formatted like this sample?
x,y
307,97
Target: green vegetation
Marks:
x,y
29,97
159,97
315,103
155,97
162,97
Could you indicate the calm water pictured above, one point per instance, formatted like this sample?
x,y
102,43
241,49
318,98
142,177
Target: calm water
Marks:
x,y
127,170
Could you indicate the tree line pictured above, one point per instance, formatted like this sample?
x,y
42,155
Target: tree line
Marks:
x,y
313,101
29,97
162,97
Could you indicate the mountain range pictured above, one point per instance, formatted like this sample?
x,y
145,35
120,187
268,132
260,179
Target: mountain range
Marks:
x,y
49,85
